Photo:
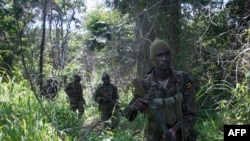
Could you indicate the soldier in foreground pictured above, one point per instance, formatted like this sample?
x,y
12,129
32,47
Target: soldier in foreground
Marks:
x,y
107,97
74,92
166,97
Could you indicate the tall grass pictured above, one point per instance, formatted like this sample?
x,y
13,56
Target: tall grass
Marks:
x,y
236,110
22,118
221,103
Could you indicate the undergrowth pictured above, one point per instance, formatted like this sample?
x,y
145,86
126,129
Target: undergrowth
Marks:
x,y
22,118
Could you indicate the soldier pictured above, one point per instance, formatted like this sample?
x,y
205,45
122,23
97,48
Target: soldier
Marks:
x,y
50,89
107,97
172,92
74,92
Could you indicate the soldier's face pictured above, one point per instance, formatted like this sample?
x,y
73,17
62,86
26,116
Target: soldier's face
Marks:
x,y
77,79
106,80
162,59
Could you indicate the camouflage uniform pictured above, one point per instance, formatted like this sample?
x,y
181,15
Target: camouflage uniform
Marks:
x,y
106,107
50,89
74,92
175,103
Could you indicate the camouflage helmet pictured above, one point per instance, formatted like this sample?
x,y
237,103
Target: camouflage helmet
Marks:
x,y
105,75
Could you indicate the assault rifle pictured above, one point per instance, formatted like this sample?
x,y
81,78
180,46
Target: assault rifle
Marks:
x,y
140,90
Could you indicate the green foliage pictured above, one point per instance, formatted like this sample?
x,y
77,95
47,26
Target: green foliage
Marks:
x,y
210,39
101,25
209,127
236,109
101,16
22,118
221,103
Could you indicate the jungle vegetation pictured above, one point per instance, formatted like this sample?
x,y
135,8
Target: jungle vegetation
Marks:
x,y
40,39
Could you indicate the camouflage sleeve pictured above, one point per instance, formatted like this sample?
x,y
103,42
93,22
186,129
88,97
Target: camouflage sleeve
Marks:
x,y
68,88
96,94
189,105
115,96
129,111
81,93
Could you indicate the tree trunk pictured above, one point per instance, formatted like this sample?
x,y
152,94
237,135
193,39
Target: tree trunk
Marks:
x,y
42,46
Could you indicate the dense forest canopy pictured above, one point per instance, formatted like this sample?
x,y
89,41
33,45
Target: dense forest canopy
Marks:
x,y
57,38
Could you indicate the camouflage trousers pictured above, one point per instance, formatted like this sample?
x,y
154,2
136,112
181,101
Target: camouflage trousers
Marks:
x,y
77,106
113,115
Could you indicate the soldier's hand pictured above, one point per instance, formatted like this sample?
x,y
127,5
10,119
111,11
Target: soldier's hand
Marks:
x,y
117,106
140,104
173,134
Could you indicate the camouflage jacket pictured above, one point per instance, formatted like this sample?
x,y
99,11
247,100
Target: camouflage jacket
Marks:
x,y
50,88
175,103
74,91
109,92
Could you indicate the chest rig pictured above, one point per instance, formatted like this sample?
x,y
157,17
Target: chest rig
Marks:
x,y
106,91
75,89
167,99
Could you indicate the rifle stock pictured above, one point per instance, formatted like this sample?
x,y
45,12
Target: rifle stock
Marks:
x,y
141,91
138,87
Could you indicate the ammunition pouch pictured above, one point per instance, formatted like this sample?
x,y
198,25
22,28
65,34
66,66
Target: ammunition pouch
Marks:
x,y
170,108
